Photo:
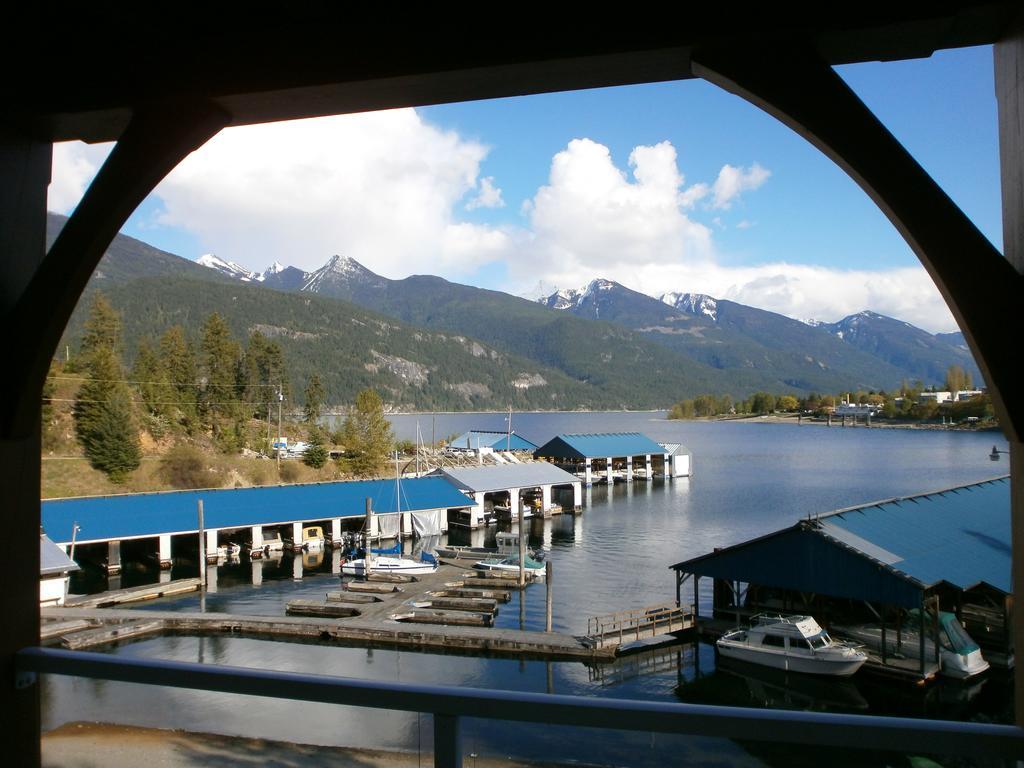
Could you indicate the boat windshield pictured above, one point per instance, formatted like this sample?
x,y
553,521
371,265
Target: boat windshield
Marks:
x,y
820,640
959,640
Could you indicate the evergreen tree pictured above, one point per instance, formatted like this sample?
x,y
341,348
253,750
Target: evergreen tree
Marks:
x,y
366,435
102,413
112,444
221,357
314,399
316,454
179,362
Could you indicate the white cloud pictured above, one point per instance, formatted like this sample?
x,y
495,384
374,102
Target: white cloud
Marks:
x,y
733,181
804,292
74,166
385,188
379,187
591,218
488,197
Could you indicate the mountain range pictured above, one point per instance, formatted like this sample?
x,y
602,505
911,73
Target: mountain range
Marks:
x,y
430,343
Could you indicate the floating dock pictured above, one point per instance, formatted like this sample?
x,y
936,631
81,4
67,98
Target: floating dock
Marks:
x,y
431,613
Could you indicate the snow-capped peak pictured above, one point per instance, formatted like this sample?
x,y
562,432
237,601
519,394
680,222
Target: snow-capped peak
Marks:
x,y
274,269
229,268
694,303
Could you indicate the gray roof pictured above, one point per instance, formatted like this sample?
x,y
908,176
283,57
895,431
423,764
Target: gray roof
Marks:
x,y
676,449
507,476
53,559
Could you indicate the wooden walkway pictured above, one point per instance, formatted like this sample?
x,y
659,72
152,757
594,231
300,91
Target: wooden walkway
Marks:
x,y
134,594
617,629
355,631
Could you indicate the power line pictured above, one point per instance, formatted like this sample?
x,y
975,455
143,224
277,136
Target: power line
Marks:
x,y
164,383
143,402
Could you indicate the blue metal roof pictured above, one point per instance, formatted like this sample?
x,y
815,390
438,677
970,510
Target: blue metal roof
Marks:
x,y
890,551
960,536
103,518
599,446
499,441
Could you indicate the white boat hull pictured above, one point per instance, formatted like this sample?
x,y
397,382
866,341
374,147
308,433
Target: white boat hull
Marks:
x,y
817,664
536,573
388,565
951,663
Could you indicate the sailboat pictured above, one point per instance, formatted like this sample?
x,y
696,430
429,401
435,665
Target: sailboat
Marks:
x,y
390,560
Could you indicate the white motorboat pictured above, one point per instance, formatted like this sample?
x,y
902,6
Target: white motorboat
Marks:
x,y
388,564
959,655
793,644
511,564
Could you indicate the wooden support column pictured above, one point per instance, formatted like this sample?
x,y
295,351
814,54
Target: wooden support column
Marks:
x,y
113,558
1008,56
165,551
24,175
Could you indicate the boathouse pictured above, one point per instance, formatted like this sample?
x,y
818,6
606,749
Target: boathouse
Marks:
x,y
476,439
244,513
505,486
605,456
680,459
54,567
949,548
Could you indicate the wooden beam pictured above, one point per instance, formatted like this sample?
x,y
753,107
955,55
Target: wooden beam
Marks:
x,y
157,139
981,287
24,176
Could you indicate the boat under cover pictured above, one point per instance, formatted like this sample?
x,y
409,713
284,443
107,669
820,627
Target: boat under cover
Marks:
x,y
959,656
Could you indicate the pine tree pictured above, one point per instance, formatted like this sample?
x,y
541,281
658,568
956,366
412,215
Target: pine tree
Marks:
x,y
179,362
104,422
221,358
366,435
314,399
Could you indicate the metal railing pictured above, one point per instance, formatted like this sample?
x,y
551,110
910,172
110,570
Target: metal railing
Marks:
x,y
449,704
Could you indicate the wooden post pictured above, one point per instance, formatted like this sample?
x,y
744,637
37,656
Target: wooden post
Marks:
x,y
884,653
921,637
366,537
202,547
522,540
899,630
547,578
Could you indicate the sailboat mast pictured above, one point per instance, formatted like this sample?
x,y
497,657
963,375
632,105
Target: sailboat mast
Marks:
x,y
508,440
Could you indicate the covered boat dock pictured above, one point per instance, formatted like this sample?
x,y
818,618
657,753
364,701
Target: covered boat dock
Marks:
x,y
506,483
611,454
948,550
163,517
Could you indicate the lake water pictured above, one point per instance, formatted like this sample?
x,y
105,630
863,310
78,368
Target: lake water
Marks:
x,y
749,478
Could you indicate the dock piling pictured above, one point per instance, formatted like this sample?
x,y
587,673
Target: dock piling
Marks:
x,y
547,608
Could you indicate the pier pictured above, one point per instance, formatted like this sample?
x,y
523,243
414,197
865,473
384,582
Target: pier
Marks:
x,y
166,525
608,456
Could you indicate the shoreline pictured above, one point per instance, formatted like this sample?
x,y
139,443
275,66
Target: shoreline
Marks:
x,y
816,422
106,745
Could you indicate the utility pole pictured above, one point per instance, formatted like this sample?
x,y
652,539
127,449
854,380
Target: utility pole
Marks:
x,y
280,400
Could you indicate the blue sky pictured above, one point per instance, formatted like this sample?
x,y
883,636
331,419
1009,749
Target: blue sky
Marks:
x,y
553,189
